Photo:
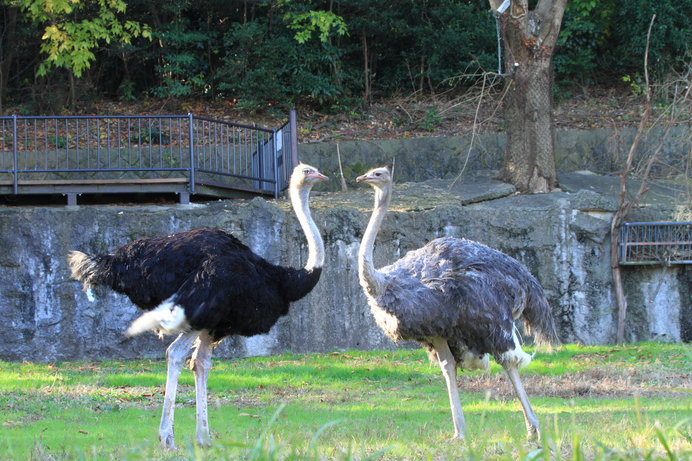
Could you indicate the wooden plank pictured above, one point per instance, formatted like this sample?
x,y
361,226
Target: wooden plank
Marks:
x,y
93,182
235,187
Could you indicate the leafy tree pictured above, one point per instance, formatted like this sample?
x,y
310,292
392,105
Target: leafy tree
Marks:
x,y
283,57
581,38
669,43
184,41
265,66
329,54
74,28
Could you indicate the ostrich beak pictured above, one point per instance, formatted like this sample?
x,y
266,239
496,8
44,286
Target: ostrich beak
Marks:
x,y
362,178
317,176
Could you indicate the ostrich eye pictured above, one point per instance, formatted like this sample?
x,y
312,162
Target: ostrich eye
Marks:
x,y
306,171
378,174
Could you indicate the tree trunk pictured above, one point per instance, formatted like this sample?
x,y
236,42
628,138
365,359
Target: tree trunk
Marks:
x,y
620,297
529,162
367,94
8,42
73,92
529,39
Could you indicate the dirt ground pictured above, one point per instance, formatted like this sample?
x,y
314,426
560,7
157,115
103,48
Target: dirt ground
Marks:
x,y
596,382
404,117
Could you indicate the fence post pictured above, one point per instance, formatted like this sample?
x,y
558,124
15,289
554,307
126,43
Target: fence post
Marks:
x,y
192,153
275,163
15,182
293,121
622,243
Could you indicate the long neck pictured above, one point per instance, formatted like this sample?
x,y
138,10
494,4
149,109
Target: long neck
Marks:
x,y
370,278
299,200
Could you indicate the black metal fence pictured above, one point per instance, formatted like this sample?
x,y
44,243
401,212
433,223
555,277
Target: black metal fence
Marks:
x,y
184,154
655,243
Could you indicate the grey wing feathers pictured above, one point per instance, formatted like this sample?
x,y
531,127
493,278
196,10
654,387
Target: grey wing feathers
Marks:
x,y
461,289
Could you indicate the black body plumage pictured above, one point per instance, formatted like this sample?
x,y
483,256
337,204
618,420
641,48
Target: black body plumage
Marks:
x,y
222,285
466,292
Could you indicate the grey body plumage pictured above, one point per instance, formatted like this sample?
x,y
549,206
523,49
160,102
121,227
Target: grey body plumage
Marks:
x,y
459,299
457,288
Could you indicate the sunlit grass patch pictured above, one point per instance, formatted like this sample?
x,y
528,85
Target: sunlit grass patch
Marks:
x,y
606,402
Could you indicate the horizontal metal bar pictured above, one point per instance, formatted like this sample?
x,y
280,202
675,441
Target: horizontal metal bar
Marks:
x,y
240,176
239,125
634,244
654,262
657,223
83,117
139,117
97,170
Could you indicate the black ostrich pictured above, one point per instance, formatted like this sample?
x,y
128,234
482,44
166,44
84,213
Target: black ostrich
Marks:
x,y
206,285
459,299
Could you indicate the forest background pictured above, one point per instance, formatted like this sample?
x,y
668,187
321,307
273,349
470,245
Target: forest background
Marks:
x,y
322,57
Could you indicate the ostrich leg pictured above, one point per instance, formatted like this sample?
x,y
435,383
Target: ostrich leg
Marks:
x,y
449,371
201,364
530,417
176,354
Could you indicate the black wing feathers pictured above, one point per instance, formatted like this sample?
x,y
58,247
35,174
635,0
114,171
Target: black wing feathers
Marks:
x,y
151,270
222,285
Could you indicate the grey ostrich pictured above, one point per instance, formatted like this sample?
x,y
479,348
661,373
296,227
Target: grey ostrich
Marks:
x,y
457,298
204,285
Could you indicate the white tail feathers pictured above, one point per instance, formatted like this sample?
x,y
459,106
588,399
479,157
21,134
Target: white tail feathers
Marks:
x,y
165,319
516,357
81,267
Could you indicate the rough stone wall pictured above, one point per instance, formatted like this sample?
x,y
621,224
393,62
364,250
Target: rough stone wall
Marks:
x,y
559,236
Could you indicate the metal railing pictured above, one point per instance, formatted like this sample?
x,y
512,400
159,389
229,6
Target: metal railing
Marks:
x,y
655,243
37,153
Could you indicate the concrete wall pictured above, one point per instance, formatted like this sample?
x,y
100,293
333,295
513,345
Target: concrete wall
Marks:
x,y
419,159
561,237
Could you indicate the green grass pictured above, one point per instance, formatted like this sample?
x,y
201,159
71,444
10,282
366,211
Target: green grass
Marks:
x,y
616,403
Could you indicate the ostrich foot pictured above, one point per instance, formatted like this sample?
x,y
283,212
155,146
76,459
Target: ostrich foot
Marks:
x,y
456,438
533,434
204,441
167,442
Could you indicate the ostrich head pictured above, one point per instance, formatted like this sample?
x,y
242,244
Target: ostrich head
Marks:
x,y
305,176
377,177
381,180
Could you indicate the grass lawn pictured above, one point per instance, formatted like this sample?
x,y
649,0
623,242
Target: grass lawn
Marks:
x,y
621,403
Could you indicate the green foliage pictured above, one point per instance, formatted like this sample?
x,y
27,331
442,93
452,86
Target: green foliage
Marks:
x,y
601,39
580,38
60,142
432,120
266,66
127,91
182,63
326,23
75,28
671,35
270,54
636,83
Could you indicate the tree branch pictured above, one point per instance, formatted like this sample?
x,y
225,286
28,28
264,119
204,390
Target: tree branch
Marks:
x,y
550,13
625,205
